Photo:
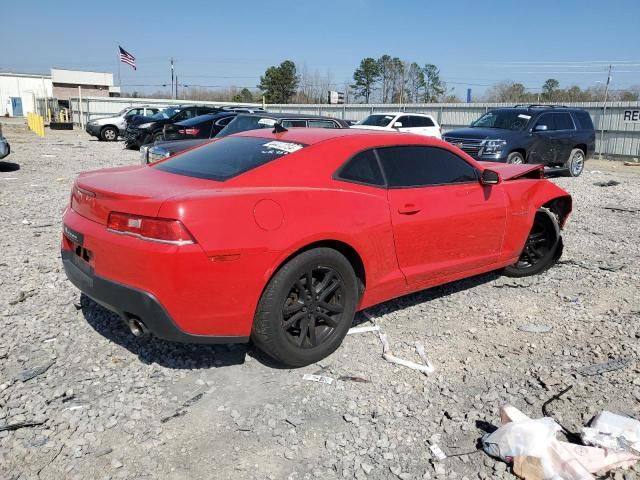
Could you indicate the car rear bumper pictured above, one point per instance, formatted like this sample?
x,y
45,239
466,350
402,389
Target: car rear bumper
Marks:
x,y
128,302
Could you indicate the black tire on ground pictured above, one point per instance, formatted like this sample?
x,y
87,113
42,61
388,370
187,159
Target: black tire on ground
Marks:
x,y
158,137
575,165
307,308
542,248
109,134
515,157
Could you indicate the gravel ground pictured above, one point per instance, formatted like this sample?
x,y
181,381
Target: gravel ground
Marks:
x,y
108,405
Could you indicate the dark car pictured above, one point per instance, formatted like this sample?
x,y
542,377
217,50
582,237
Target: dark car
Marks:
x,y
242,123
554,136
141,130
203,126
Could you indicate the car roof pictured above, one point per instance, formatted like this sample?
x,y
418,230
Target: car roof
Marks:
x,y
310,136
278,116
534,109
401,113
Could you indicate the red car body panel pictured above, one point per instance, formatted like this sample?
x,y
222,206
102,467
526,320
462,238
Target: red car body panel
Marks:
x,y
246,227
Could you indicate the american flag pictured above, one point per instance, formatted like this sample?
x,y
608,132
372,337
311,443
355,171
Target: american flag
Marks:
x,y
127,58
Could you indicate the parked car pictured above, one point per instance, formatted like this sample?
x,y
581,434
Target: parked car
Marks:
x,y
242,123
280,237
418,123
144,130
5,148
554,136
109,128
203,126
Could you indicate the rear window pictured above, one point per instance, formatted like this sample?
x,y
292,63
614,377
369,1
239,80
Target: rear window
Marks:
x,y
242,123
228,157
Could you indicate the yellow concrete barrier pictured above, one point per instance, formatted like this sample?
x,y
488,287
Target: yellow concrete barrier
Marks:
x,y
35,123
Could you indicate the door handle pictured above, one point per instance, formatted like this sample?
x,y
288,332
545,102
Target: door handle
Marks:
x,y
409,209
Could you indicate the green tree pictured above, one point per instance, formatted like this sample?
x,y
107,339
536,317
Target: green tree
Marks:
x,y
365,78
279,83
244,96
434,87
415,82
549,89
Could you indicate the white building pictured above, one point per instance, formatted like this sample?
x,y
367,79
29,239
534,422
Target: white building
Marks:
x,y
18,92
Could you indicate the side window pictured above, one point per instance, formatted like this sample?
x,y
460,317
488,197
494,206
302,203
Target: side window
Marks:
x,y
405,120
418,166
224,121
419,121
583,120
294,123
546,119
152,111
133,111
563,121
362,168
322,124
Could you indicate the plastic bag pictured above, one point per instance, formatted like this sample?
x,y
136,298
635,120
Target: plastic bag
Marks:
x,y
613,431
526,438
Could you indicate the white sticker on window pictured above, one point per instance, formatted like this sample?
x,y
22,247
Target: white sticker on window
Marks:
x,y
283,146
269,122
526,117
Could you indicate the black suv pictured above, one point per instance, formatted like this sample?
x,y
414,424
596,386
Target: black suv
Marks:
x,y
555,136
141,130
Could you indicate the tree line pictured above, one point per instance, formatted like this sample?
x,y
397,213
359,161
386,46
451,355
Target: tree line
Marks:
x,y
390,80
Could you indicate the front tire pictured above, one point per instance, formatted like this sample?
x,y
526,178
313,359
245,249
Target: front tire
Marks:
x,y
575,164
515,158
109,134
542,248
307,308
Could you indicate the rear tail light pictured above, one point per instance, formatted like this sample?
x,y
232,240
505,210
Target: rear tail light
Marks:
x,y
163,230
191,131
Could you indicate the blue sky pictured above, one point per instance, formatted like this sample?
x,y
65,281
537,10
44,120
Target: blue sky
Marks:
x,y
232,43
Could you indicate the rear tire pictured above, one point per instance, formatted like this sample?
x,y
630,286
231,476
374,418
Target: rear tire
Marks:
x,y
515,158
575,164
109,134
542,248
158,137
307,308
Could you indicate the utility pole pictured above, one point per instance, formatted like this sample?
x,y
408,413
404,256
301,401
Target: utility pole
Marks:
x,y
604,112
176,87
172,78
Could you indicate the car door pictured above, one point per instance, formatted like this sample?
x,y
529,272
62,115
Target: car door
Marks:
x,y
423,125
564,138
444,221
405,123
542,149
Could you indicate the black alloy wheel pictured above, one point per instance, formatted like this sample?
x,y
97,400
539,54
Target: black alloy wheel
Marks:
x,y
542,248
314,307
306,308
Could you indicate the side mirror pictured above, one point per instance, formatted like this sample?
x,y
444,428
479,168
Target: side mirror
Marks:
x,y
489,177
540,128
397,125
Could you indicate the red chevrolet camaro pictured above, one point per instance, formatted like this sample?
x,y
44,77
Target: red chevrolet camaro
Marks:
x,y
280,237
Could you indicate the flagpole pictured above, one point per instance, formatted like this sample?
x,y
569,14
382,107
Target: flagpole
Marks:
x,y
119,76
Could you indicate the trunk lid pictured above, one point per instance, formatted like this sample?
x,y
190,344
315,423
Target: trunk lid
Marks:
x,y
139,190
513,172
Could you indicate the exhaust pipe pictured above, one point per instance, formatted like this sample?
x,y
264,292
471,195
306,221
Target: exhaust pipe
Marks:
x,y
136,327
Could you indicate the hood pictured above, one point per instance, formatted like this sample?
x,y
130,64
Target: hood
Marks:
x,y
513,172
482,133
138,119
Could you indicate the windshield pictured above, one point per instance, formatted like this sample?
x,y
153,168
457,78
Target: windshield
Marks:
x,y
225,158
377,120
507,120
242,123
122,112
166,113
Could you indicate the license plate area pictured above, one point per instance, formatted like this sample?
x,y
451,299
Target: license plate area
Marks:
x,y
82,256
